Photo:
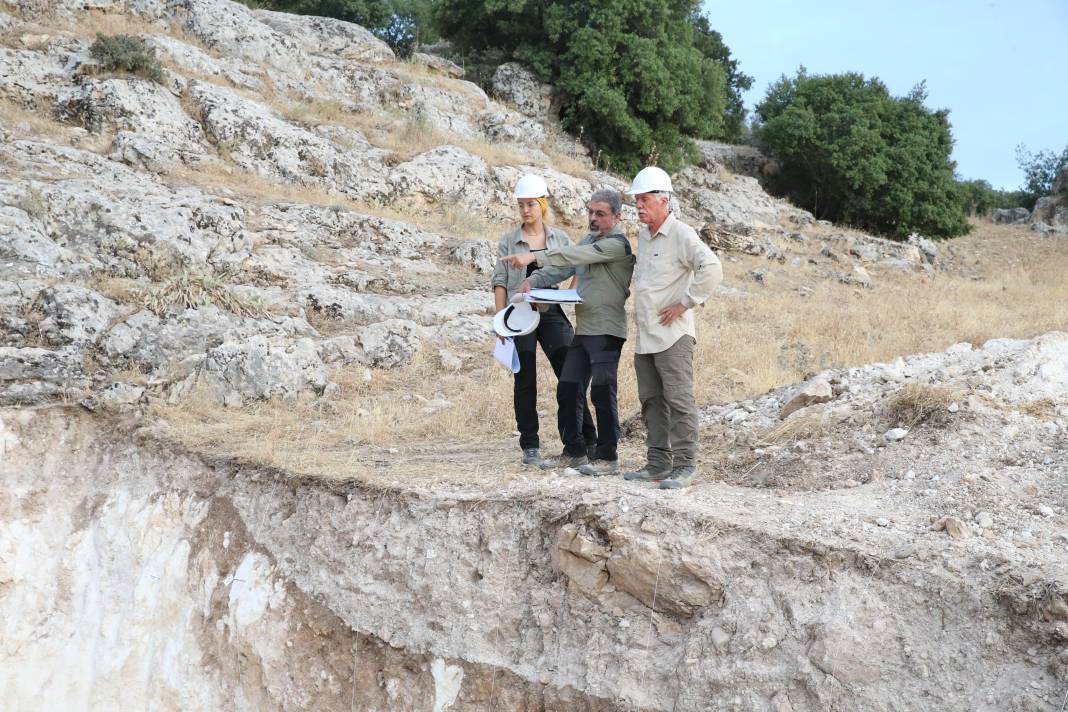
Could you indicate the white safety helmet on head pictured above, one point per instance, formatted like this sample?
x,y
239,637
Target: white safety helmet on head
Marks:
x,y
650,180
531,186
516,319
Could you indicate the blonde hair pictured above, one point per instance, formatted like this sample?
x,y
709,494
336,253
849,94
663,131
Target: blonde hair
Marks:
x,y
544,203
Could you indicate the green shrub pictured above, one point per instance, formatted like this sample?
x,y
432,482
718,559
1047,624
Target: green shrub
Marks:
x,y
635,77
127,53
1040,170
979,198
852,153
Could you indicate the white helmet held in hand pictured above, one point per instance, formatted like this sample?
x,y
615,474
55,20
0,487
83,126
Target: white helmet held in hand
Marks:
x,y
650,180
516,319
531,186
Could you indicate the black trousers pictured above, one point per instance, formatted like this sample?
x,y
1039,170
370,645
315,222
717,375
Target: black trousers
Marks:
x,y
554,334
592,362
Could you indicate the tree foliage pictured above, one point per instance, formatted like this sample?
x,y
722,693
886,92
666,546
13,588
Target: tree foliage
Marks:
x,y
1040,170
636,78
851,152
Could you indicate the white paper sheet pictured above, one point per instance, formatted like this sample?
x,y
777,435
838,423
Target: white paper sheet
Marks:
x,y
504,351
553,296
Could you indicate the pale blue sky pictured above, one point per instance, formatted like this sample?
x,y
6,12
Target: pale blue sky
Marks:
x,y
1001,68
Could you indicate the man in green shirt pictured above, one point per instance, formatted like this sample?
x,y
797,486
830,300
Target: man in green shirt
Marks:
x,y
603,263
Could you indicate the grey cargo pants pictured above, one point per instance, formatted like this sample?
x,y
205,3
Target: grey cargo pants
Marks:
x,y
665,389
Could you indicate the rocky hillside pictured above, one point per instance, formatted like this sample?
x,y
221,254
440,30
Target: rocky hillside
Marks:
x,y
290,199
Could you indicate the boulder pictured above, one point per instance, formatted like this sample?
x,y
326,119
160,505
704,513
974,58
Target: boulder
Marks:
x,y
75,315
814,391
238,372
737,199
390,344
438,65
1010,216
1051,213
480,255
517,85
926,247
151,129
327,36
448,175
745,160
1060,182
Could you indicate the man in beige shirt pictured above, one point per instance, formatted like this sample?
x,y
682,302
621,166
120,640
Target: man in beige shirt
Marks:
x,y
675,273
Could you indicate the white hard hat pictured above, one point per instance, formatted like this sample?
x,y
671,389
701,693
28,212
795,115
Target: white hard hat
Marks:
x,y
650,180
516,319
531,186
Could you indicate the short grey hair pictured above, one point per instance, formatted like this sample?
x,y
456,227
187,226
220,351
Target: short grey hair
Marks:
x,y
611,197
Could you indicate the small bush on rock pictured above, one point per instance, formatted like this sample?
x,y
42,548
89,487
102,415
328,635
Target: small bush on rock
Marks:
x,y
127,53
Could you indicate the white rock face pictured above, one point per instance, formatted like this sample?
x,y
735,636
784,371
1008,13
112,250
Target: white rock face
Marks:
x,y
517,85
327,36
258,140
447,174
151,129
237,372
74,314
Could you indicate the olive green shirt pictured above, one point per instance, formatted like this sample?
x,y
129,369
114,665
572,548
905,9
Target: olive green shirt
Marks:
x,y
674,267
513,243
603,265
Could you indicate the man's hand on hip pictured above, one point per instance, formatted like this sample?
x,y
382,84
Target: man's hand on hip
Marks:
x,y
668,315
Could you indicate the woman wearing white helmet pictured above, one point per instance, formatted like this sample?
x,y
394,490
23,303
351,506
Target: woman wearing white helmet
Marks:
x,y
554,332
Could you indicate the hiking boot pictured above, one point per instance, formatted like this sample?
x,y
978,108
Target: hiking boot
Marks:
x,y
680,477
600,468
532,456
563,460
649,473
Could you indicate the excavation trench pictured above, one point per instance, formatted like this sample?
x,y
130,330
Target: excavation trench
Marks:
x,y
133,576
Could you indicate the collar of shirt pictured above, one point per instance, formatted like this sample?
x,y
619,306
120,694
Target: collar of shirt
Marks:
x,y
665,227
519,237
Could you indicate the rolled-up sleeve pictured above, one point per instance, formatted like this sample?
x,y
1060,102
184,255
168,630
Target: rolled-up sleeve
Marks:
x,y
707,270
500,271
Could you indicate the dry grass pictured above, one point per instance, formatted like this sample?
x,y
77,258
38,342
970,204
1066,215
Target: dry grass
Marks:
x,y
920,403
803,425
393,408
445,219
190,290
1043,409
88,24
28,122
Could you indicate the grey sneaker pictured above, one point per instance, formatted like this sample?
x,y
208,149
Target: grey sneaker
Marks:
x,y
563,460
680,477
600,468
532,456
649,473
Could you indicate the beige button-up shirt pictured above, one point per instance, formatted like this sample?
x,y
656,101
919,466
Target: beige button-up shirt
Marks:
x,y
674,267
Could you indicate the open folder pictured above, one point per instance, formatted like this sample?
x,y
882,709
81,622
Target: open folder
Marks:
x,y
553,296
504,351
